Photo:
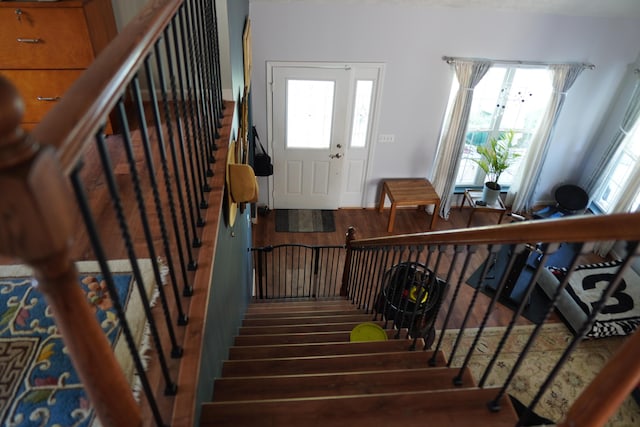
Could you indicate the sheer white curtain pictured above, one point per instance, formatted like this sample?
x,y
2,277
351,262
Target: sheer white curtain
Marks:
x,y
522,189
451,144
594,182
630,190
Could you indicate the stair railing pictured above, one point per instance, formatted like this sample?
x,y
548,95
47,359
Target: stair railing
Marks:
x,y
158,85
391,276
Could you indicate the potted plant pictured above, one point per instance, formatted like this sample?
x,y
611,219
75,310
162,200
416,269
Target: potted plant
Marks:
x,y
495,157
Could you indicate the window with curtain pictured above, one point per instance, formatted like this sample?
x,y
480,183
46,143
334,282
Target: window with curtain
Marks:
x,y
616,180
507,98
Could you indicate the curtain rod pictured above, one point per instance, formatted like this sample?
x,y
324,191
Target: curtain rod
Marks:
x,y
451,59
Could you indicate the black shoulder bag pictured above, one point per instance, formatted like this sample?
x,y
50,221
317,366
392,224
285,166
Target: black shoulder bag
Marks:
x,y
262,165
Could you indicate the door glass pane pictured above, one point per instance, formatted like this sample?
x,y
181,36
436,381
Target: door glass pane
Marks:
x,y
361,111
309,113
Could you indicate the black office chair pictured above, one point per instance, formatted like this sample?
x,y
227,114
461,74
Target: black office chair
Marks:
x,y
570,200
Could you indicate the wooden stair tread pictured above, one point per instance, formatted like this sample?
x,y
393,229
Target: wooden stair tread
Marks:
x,y
451,408
303,312
320,349
308,320
335,384
326,364
288,305
299,338
294,329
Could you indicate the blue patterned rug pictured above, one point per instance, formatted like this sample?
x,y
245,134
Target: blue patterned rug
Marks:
x,y
38,385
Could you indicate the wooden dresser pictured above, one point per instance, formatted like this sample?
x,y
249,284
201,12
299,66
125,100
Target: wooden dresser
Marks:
x,y
45,46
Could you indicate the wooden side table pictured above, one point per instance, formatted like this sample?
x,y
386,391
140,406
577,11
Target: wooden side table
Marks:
x,y
409,192
471,196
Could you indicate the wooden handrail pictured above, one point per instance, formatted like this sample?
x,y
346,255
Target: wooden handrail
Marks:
x,y
36,228
613,384
579,228
81,112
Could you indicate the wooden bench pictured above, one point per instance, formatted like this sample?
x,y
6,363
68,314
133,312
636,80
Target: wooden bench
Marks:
x,y
409,192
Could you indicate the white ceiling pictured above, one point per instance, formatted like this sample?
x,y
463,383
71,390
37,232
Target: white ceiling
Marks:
x,y
603,8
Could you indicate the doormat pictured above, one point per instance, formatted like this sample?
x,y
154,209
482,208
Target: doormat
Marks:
x,y
305,221
538,303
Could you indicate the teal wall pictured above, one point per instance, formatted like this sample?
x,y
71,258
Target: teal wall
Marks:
x,y
232,276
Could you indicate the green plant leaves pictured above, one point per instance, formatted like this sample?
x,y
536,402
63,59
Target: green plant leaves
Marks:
x,y
496,155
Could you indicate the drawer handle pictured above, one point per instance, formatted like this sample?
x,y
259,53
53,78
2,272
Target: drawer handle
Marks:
x,y
23,40
48,98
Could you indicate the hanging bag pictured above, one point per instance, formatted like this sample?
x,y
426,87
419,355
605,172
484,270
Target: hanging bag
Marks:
x,y
261,160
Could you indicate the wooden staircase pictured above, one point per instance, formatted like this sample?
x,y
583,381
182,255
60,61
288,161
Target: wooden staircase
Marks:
x,y
292,365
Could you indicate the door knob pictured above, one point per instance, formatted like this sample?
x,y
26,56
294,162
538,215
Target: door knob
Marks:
x,y
335,156
339,145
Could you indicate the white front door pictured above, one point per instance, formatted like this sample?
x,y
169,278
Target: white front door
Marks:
x,y
309,119
321,120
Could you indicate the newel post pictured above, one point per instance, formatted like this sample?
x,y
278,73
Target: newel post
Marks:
x,y
351,236
36,222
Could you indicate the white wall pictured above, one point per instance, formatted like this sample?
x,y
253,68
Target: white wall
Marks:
x,y
124,10
411,39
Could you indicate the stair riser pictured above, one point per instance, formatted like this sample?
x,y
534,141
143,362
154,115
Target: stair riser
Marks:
x,y
298,329
308,320
320,337
458,408
303,313
318,365
324,349
285,387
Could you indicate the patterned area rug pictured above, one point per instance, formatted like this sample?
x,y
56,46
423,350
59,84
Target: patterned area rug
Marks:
x,y
584,364
38,385
304,221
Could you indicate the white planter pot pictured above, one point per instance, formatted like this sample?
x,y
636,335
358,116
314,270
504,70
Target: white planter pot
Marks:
x,y
490,193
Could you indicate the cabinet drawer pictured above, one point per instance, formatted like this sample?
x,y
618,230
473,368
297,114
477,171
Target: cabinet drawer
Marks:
x,y
44,38
40,90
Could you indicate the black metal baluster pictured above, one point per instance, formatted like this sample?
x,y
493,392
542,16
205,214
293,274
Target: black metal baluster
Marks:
x,y
187,111
187,289
352,272
92,231
211,121
494,405
200,59
176,350
191,75
403,302
516,251
182,318
632,252
358,275
316,275
364,276
170,386
195,242
374,278
492,253
378,302
425,290
397,253
180,108
218,96
457,251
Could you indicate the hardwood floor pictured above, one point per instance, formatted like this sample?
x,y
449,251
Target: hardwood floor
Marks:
x,y
371,223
